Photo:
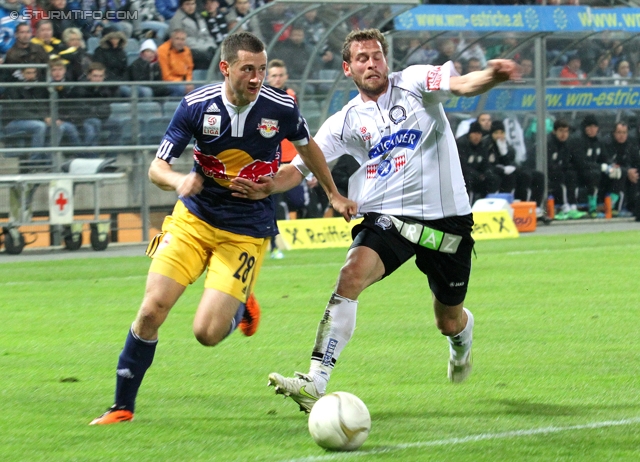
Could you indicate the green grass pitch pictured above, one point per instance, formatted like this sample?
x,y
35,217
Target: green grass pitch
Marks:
x,y
556,362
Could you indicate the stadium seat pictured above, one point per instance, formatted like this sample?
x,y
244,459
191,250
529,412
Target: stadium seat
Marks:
x,y
153,130
132,56
132,46
149,109
169,107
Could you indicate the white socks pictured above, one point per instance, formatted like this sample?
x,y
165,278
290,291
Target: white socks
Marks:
x,y
334,332
460,345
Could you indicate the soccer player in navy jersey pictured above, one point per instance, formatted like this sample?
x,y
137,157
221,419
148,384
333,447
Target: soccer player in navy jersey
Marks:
x,y
237,125
411,191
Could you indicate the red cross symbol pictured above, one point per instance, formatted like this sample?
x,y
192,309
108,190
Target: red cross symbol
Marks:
x,y
61,201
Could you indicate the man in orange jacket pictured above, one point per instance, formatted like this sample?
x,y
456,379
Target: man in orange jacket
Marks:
x,y
176,62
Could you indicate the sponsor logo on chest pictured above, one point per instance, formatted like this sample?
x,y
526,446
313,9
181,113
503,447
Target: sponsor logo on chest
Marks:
x,y
211,125
268,127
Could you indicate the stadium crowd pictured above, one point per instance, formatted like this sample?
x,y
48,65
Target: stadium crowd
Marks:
x,y
589,157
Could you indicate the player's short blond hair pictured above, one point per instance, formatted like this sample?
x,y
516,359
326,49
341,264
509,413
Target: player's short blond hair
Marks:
x,y
362,36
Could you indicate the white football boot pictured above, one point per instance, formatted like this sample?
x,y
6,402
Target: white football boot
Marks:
x,y
299,388
460,370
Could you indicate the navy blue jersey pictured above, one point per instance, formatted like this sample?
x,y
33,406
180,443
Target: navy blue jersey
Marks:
x,y
232,142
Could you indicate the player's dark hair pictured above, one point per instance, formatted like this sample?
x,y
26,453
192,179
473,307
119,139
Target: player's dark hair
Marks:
x,y
560,123
362,36
241,41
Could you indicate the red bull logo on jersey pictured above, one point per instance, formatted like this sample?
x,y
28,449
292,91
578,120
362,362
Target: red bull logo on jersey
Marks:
x,y
268,128
401,139
234,163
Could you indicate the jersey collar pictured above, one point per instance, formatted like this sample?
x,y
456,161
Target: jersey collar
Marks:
x,y
232,108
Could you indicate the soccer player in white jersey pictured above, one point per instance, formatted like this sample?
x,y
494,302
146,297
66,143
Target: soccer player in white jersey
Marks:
x,y
238,126
410,189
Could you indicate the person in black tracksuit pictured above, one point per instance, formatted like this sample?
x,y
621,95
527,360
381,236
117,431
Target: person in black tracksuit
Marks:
x,y
619,167
585,153
479,176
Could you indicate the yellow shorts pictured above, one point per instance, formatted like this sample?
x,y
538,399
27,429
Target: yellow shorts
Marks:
x,y
187,246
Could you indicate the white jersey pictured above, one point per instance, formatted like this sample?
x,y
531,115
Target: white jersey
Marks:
x,y
409,164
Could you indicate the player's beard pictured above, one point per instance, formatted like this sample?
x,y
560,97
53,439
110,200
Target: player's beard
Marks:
x,y
372,88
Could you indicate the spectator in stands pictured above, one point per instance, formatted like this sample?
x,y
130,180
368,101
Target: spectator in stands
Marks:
x,y
32,9
502,158
44,37
25,52
8,9
572,74
584,152
273,20
619,166
111,53
419,53
622,76
509,42
216,21
26,110
149,23
295,52
468,51
473,64
239,10
146,67
526,64
484,119
447,50
95,108
562,179
123,25
61,17
480,178
67,131
618,53
277,77
76,53
603,71
167,8
199,39
176,62
85,22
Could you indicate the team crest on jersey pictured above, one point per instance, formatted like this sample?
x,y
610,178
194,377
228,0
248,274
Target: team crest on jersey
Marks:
x,y
268,128
383,222
434,77
211,125
397,114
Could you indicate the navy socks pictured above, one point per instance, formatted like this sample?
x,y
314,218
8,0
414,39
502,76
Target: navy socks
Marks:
x,y
135,359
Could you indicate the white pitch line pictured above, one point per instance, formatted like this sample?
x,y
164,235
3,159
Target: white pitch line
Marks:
x,y
470,439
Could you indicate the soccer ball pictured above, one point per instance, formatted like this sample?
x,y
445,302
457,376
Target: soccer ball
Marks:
x,y
339,421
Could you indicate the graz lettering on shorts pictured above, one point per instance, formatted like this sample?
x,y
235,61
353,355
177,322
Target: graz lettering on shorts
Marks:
x,y
326,360
427,237
402,138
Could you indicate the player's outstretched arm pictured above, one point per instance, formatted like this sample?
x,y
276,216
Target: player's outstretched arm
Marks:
x,y
164,177
315,161
286,178
475,83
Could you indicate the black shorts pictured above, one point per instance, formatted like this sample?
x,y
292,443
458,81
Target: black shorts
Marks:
x,y
447,273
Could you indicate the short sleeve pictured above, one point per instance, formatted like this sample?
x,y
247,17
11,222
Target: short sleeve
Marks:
x,y
433,82
178,135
